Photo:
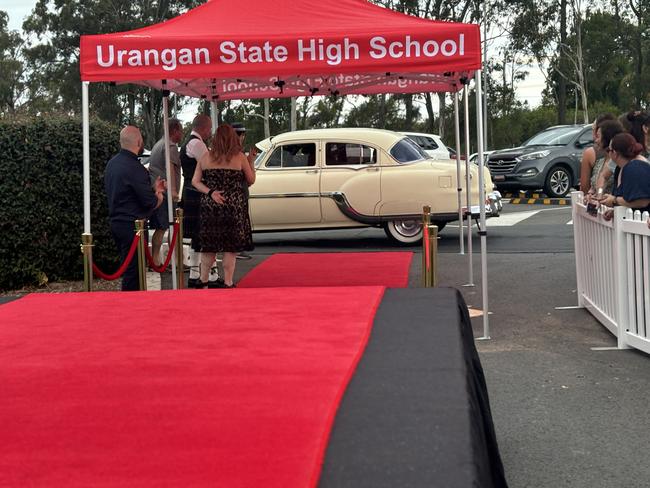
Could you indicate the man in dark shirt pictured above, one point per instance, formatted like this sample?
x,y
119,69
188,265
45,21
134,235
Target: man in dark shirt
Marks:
x,y
130,197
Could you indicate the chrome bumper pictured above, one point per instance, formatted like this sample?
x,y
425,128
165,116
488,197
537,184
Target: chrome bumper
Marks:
x,y
493,206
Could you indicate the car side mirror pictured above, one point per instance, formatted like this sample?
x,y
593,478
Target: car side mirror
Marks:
x,y
581,145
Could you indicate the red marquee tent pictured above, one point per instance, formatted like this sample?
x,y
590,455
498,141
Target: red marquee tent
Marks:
x,y
260,48
233,49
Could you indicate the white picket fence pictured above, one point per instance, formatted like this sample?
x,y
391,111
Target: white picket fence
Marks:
x,y
613,271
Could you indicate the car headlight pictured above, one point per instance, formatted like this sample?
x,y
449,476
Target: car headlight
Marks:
x,y
534,155
529,172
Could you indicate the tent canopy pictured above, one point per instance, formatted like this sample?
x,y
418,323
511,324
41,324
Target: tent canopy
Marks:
x,y
232,49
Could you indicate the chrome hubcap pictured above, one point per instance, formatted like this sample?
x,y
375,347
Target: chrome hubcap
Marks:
x,y
408,228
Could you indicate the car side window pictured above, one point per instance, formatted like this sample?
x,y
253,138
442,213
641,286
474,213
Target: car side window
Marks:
x,y
586,138
293,156
418,140
430,144
347,153
407,151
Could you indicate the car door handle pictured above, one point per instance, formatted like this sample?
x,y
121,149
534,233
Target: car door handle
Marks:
x,y
312,171
373,169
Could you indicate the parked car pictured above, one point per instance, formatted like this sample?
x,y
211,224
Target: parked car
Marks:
x,y
431,140
452,154
549,160
430,144
345,178
473,158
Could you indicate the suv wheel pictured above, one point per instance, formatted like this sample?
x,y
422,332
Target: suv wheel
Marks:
x,y
558,182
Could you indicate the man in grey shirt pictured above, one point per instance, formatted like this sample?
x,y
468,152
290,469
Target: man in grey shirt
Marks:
x,y
159,221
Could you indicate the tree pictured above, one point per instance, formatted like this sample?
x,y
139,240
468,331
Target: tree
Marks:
x,y
570,65
327,112
369,113
12,84
607,60
640,10
53,60
535,32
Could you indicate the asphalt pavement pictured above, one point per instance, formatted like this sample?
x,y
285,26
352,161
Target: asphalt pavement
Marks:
x,y
566,414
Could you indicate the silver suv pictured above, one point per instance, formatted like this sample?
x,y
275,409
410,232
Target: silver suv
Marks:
x,y
549,160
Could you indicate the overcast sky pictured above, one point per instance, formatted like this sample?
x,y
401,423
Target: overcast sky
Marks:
x,y
17,10
528,90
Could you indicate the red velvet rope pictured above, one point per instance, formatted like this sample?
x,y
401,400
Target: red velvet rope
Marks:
x,y
170,253
125,264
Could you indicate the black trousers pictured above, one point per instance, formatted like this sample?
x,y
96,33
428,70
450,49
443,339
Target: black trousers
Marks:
x,y
123,234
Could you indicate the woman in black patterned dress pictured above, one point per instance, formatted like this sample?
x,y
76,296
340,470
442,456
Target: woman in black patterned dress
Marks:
x,y
225,226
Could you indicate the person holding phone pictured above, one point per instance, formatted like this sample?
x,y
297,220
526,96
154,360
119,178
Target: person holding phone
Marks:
x,y
632,176
130,197
159,221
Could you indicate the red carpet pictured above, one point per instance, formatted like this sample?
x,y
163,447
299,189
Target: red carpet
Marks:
x,y
205,388
390,269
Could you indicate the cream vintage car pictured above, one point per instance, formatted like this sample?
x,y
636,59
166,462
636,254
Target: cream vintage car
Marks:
x,y
346,178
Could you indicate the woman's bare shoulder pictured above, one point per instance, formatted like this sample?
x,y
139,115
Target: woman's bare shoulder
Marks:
x,y
241,159
206,159
589,154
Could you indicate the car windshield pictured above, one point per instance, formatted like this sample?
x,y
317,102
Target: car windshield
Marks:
x,y
554,137
407,151
258,159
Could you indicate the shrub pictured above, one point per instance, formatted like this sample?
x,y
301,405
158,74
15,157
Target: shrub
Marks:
x,y
41,192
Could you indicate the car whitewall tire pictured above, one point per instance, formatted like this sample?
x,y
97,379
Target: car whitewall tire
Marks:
x,y
404,232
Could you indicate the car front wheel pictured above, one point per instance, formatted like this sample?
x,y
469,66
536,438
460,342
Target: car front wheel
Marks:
x,y
558,182
404,232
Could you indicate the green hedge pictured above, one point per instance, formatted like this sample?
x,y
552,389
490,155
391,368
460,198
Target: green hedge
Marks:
x,y
41,197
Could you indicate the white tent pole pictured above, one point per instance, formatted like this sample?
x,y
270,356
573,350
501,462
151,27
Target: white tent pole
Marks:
x,y
481,184
485,75
168,175
468,185
85,117
459,183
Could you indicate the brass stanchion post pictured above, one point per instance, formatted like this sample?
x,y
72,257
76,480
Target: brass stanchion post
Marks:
x,y
87,250
142,257
180,275
433,253
426,247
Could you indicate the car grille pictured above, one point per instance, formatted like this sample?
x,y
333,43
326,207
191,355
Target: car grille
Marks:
x,y
501,166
